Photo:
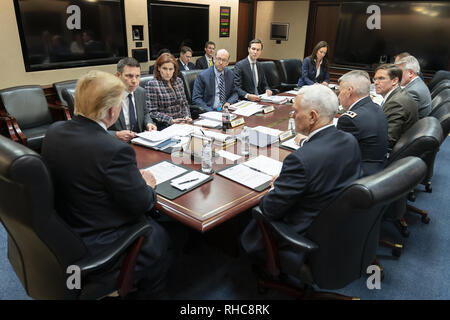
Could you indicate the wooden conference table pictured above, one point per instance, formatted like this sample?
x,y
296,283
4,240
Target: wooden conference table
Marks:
x,y
219,199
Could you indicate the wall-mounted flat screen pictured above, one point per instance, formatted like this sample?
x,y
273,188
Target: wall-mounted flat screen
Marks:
x,y
368,36
279,31
173,24
63,34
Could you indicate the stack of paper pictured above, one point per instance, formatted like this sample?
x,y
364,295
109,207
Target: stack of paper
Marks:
x,y
240,104
274,99
208,123
217,136
262,136
290,144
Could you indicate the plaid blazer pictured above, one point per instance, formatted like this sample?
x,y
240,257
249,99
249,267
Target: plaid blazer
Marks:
x,y
165,104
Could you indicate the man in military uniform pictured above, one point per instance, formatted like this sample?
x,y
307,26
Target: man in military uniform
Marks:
x,y
398,106
364,119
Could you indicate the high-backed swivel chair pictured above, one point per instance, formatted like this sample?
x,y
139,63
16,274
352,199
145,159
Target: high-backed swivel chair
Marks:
x,y
290,72
441,98
272,76
441,86
342,241
42,247
60,86
145,78
189,77
438,77
30,113
443,115
421,140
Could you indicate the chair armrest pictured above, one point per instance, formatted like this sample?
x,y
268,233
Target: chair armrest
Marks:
x,y
6,122
18,132
59,112
115,249
286,232
196,110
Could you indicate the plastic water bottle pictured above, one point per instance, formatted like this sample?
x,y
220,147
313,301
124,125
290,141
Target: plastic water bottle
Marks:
x,y
245,142
207,156
291,125
226,119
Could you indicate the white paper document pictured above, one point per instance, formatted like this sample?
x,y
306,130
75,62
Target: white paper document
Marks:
x,y
293,91
265,164
274,99
255,172
188,180
164,171
208,123
240,104
212,115
248,110
228,155
217,136
290,144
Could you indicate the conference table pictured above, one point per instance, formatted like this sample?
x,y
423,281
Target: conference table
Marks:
x,y
220,199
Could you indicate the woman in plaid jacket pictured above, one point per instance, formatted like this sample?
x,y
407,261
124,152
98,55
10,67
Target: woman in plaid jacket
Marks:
x,y
166,100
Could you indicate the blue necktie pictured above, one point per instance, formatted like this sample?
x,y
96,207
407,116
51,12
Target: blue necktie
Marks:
x,y
254,77
132,113
221,89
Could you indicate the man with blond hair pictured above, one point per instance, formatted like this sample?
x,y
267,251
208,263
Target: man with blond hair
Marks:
x,y
99,190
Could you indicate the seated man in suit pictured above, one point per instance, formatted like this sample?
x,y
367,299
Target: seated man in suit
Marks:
x,y
398,106
364,119
184,61
214,87
134,116
415,86
206,61
249,76
328,161
99,190
405,54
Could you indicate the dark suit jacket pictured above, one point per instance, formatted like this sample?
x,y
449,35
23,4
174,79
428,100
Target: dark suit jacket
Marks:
x,y
310,178
99,190
243,78
308,76
401,113
202,63
367,123
142,115
191,66
205,88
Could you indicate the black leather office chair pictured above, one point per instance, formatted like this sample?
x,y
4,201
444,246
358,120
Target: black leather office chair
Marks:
x,y
41,246
60,86
440,98
272,76
438,77
441,86
188,77
442,113
30,113
145,78
290,72
68,95
342,241
421,140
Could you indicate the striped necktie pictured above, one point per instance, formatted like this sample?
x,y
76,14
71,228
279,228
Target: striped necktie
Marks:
x,y
221,89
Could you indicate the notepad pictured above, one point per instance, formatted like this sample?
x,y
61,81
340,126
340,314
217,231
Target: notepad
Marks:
x,y
189,180
165,170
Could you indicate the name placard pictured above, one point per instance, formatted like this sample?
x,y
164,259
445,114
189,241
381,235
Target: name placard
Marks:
x,y
268,109
286,135
237,122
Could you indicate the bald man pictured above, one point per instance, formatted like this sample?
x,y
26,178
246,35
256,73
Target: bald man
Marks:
x,y
214,87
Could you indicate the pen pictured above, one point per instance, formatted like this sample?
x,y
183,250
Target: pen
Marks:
x,y
188,181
